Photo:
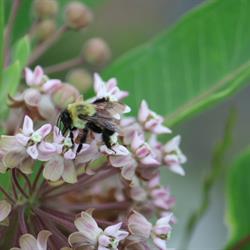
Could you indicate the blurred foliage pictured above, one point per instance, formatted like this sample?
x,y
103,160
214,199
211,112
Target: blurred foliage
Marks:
x,y
25,15
238,195
218,164
1,39
200,61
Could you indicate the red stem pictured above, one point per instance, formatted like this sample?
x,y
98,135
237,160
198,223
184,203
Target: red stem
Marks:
x,y
7,195
14,178
83,184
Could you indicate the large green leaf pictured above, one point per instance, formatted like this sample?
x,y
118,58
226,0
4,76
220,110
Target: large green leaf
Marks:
x,y
238,194
201,60
11,77
1,38
22,51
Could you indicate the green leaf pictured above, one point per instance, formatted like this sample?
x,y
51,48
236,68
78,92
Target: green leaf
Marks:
x,y
1,38
204,58
11,77
238,197
22,51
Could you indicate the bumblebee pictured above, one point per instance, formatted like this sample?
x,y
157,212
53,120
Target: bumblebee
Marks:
x,y
101,116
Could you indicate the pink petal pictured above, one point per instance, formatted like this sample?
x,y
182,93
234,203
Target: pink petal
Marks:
x,y
149,160
103,242
138,225
88,227
57,135
28,76
28,242
160,129
37,75
173,144
27,126
69,173
5,209
32,97
128,171
46,150
143,151
27,166
44,130
47,108
154,182
112,230
161,244
143,111
111,84
120,161
177,169
22,139
99,86
51,85
54,168
70,155
42,239
32,151
137,141
77,240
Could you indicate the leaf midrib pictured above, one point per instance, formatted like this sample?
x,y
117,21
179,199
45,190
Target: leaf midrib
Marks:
x,y
215,88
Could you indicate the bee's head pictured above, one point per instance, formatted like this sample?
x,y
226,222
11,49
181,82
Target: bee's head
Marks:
x,y
64,121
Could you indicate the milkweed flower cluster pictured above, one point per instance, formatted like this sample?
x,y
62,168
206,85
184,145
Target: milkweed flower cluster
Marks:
x,y
98,198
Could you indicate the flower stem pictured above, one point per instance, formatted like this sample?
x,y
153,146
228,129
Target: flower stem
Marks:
x,y
64,66
26,180
102,206
84,183
7,195
34,185
9,28
43,47
47,216
14,178
22,224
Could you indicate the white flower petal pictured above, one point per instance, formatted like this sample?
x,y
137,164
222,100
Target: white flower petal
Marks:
x,y
5,209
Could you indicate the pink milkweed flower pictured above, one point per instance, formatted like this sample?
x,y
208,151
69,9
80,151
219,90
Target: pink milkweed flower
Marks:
x,y
37,79
108,89
5,209
141,154
91,235
29,242
161,196
142,150
62,165
173,156
143,230
33,141
151,121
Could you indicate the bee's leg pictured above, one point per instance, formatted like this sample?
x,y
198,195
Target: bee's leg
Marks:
x,y
82,139
71,135
106,134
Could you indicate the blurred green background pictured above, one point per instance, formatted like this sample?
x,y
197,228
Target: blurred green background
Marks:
x,y
126,24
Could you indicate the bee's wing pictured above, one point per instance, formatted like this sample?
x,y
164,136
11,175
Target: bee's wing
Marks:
x,y
110,109
105,122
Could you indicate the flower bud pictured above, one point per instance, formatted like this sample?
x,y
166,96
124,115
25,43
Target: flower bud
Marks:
x,y
65,95
81,79
96,51
77,15
45,8
45,29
